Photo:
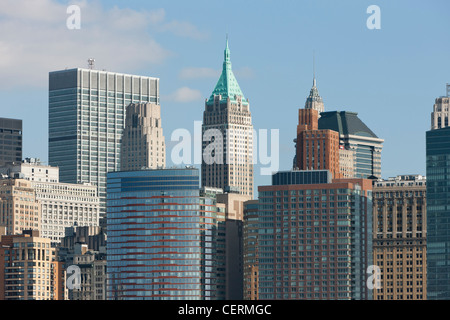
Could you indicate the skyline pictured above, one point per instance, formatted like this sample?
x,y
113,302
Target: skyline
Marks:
x,y
371,72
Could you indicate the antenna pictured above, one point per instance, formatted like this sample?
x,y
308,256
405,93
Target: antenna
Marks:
x,y
314,68
91,63
448,89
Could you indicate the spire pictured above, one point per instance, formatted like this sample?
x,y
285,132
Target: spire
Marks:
x,y
227,85
314,100
314,70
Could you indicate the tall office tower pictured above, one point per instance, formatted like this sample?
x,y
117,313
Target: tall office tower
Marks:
x,y
19,207
438,215
316,149
314,100
400,237
441,111
31,169
86,121
162,237
28,268
315,237
227,131
355,136
251,250
142,140
10,140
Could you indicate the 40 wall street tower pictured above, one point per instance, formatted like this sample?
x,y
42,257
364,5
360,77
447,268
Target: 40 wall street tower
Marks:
x,y
227,123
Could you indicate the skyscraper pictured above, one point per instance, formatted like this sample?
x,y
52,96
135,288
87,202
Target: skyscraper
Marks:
x,y
163,237
316,149
10,140
250,284
400,237
227,131
143,140
314,100
362,144
19,207
28,267
438,213
86,121
441,111
315,237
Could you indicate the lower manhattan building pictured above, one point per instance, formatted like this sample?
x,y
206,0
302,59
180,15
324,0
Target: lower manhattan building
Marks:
x,y
441,111
62,204
28,270
315,237
438,213
363,144
316,149
30,169
250,242
10,140
19,207
227,135
92,267
86,119
400,237
163,237
142,139
65,205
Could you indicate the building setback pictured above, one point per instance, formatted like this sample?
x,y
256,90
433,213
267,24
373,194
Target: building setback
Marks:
x,y
441,111
143,140
315,237
227,136
316,149
86,121
10,140
362,145
400,237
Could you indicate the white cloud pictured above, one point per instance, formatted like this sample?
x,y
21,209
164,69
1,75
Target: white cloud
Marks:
x,y
183,94
197,73
35,40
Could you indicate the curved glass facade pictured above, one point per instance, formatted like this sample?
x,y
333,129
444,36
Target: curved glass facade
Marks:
x,y
161,236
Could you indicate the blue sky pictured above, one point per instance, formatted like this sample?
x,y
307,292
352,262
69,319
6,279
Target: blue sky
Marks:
x,y
390,76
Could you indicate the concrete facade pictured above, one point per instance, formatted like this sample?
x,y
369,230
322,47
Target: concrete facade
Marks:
x,y
143,144
400,237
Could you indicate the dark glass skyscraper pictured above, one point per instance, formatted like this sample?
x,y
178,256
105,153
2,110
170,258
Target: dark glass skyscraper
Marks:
x,y
162,237
438,213
10,140
86,120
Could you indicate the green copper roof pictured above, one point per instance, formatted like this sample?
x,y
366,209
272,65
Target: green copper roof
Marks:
x,y
227,86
